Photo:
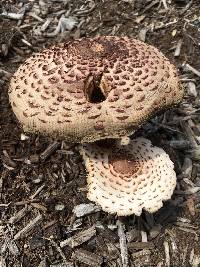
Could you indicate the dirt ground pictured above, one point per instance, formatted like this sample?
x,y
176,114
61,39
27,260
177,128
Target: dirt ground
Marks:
x,y
39,188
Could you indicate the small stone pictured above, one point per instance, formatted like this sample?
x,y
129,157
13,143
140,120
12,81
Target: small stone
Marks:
x,y
24,137
59,207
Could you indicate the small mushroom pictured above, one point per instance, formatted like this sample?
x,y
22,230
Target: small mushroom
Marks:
x,y
126,179
93,88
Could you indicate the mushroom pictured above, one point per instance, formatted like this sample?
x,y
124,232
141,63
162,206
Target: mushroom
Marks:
x,y
127,179
93,88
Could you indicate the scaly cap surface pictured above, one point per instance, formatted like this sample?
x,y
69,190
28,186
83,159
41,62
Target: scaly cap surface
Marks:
x,y
93,88
126,179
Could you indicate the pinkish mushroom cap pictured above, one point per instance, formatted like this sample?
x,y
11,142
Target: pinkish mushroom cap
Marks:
x,y
93,88
127,179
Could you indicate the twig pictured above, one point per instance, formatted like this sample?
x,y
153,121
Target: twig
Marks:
x,y
19,215
189,134
123,244
79,238
84,12
26,42
6,73
10,15
33,15
153,3
49,150
3,176
37,192
188,67
58,249
167,255
141,245
186,7
45,25
28,227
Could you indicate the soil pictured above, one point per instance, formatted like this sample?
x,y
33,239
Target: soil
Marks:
x,y
62,177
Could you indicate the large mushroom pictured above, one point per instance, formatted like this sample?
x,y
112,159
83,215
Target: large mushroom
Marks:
x,y
93,88
127,179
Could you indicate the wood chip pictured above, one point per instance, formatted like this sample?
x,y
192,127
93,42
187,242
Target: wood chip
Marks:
x,y
178,48
188,67
144,252
190,191
140,245
190,134
19,215
142,34
3,177
88,258
68,264
49,150
123,244
144,236
167,254
32,224
37,192
191,89
10,15
12,247
113,252
59,251
39,206
132,235
186,7
180,144
45,25
79,238
149,6
85,209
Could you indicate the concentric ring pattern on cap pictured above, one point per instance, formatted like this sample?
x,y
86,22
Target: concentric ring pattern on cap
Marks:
x,y
127,179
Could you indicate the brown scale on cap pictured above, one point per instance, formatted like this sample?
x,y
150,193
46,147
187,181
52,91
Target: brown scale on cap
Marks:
x,y
108,85
125,180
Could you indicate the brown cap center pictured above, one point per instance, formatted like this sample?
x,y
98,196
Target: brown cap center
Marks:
x,y
124,163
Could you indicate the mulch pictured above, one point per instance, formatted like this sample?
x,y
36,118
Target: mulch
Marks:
x,y
45,217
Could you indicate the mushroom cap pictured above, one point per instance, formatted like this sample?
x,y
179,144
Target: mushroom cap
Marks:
x,y
93,88
127,179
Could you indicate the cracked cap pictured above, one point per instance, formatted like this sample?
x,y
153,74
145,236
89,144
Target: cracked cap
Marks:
x,y
93,88
127,179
